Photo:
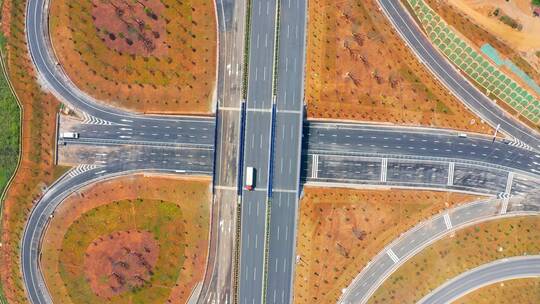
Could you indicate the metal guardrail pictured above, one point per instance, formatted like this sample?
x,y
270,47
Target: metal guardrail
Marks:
x,y
241,148
272,145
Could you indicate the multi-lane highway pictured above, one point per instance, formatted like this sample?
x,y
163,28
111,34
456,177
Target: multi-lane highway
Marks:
x,y
287,151
467,93
257,148
494,272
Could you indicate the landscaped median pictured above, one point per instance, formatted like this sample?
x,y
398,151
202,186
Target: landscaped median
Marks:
x,y
133,239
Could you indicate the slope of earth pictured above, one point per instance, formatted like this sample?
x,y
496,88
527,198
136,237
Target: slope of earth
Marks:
x,y
135,239
466,249
149,56
340,230
512,291
475,20
358,68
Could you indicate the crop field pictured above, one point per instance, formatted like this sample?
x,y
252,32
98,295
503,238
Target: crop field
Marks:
x,y
512,291
153,56
135,239
37,168
358,68
475,66
340,230
457,253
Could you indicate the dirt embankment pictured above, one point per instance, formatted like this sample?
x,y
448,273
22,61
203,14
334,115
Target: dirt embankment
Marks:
x,y
476,21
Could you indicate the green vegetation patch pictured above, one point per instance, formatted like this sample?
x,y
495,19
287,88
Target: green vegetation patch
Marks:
x,y
10,129
164,220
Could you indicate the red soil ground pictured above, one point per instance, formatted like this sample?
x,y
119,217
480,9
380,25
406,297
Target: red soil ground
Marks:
x,y
129,28
120,261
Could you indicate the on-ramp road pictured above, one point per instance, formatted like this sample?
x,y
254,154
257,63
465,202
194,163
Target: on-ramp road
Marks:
x,y
500,270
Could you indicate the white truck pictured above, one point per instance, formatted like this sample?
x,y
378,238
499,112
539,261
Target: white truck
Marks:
x,y
250,178
72,135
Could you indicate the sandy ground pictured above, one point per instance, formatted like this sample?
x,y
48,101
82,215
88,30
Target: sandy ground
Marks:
x,y
471,19
359,69
466,249
525,40
340,230
191,195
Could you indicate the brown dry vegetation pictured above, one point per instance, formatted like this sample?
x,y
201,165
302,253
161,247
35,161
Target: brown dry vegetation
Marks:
x,y
359,69
479,36
153,56
36,168
523,291
123,204
455,254
340,230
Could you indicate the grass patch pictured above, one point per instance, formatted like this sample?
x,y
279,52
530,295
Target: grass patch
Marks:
x,y
10,126
467,249
164,220
442,108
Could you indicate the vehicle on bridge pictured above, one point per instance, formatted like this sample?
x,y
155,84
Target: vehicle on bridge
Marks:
x,y
250,178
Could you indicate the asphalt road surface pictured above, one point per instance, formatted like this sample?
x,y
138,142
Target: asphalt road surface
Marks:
x,y
219,281
287,151
427,232
365,140
451,78
500,270
256,143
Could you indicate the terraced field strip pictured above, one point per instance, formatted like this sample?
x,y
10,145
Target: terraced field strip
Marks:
x,y
474,65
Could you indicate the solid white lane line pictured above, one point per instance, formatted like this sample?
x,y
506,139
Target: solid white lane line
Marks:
x,y
392,255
